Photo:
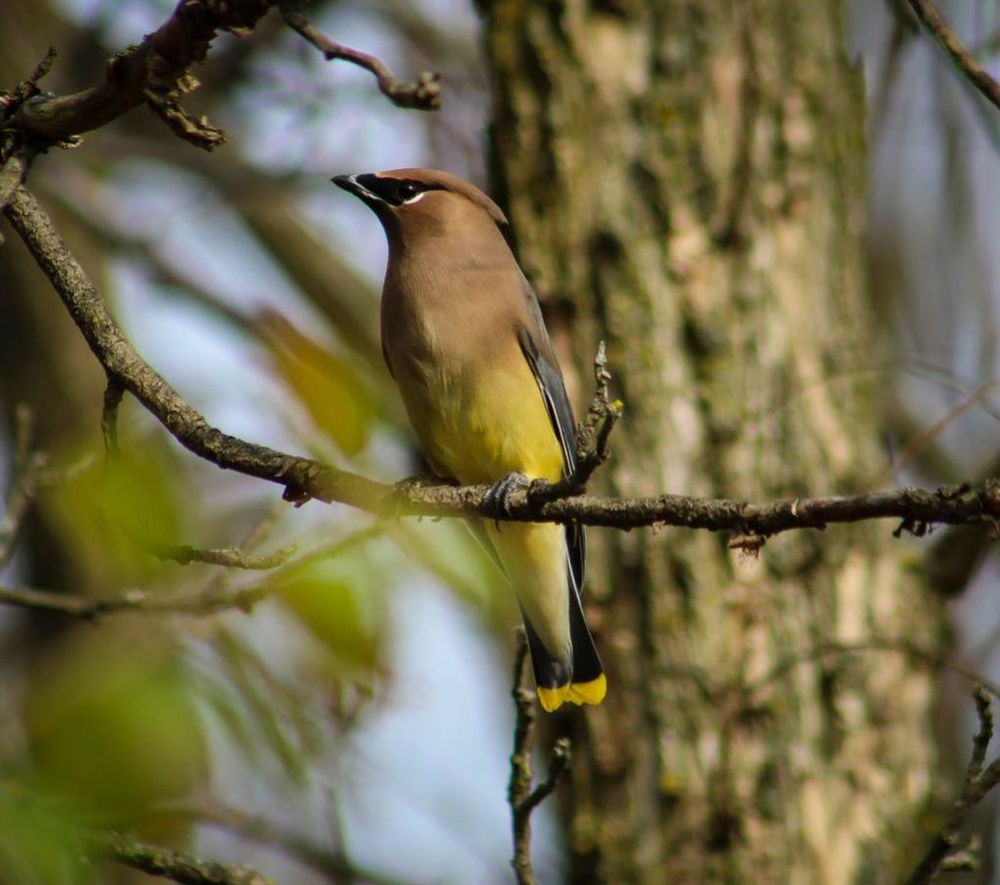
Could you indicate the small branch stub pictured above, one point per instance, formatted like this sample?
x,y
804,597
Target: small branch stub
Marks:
x,y
591,437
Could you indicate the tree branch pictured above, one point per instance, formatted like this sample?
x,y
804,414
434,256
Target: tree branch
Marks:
x,y
175,865
523,800
422,94
89,608
230,557
216,597
155,71
751,524
336,865
975,787
594,431
305,478
932,20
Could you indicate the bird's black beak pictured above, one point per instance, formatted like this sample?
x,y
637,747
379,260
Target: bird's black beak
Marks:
x,y
344,181
351,184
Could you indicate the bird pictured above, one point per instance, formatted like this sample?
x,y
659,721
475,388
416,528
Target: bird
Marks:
x,y
463,337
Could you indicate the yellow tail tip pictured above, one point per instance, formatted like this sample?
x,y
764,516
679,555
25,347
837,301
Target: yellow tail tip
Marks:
x,y
592,692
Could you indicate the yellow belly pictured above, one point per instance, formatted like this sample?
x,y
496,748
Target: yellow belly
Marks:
x,y
477,433
478,428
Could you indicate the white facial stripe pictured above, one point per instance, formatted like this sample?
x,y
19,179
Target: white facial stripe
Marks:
x,y
354,180
415,199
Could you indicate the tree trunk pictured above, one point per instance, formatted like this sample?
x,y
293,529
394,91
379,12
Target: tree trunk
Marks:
x,y
685,179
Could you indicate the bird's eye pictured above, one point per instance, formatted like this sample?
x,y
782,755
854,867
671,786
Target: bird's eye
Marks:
x,y
406,191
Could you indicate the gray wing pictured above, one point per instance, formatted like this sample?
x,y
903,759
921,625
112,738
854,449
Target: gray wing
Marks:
x,y
537,349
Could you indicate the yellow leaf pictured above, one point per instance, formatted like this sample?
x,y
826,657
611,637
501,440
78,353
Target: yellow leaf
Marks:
x,y
333,612
326,385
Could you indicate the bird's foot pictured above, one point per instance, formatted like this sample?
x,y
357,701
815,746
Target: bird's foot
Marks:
x,y
498,494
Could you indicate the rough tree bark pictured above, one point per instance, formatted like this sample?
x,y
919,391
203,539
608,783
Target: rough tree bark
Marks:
x,y
686,180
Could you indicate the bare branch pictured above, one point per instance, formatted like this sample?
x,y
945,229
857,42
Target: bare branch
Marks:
x,y
331,863
175,865
27,88
121,362
519,785
916,509
558,764
932,20
230,557
977,784
217,596
594,431
156,71
523,800
139,601
422,94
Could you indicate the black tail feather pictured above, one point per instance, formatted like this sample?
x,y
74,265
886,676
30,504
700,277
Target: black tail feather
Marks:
x,y
579,676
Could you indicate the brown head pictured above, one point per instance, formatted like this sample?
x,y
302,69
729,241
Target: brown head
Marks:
x,y
416,205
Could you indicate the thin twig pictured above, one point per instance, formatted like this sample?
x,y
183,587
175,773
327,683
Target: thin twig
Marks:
x,y
139,601
523,800
932,20
422,94
230,557
593,433
178,866
333,864
976,785
27,88
519,785
213,598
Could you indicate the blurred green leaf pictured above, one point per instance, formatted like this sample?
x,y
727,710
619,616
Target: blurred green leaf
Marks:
x,y
112,726
330,609
37,847
114,514
137,495
326,385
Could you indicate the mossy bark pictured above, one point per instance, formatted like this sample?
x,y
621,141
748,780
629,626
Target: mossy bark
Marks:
x,y
685,179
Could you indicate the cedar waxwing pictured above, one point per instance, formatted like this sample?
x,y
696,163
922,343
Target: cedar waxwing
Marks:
x,y
463,336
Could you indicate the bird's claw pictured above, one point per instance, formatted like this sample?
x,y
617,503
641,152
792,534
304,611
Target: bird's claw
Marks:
x,y
498,495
